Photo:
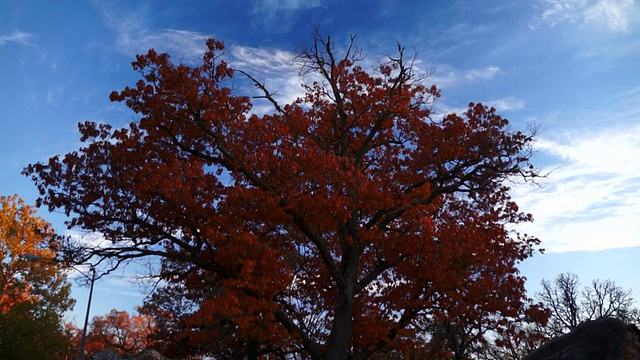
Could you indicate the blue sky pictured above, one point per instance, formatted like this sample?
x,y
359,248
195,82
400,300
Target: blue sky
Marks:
x,y
569,66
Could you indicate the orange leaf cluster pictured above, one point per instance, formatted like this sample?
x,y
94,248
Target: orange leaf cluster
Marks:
x,y
21,233
120,332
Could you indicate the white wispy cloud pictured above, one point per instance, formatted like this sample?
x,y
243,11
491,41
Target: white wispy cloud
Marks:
x,y
441,108
87,239
134,36
616,15
122,283
181,44
591,198
447,76
119,291
268,61
272,5
278,15
485,73
18,37
274,69
506,104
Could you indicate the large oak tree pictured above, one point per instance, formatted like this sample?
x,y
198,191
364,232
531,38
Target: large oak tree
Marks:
x,y
338,226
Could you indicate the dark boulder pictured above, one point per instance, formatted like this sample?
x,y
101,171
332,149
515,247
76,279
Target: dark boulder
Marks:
x,y
149,354
602,339
107,354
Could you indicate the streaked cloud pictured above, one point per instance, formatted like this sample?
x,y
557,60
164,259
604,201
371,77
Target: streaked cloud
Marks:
x,y
18,37
446,76
273,5
181,44
441,108
274,69
616,15
506,104
87,239
591,198
279,15
482,74
134,36
262,60
280,75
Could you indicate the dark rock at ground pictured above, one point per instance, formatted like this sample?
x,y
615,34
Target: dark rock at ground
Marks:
x,y
601,339
149,354
107,354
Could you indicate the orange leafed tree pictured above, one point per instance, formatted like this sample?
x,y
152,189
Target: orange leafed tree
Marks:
x,y
33,294
22,233
121,332
338,226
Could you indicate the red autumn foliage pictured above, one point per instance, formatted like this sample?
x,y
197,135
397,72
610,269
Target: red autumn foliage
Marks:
x,y
342,225
120,332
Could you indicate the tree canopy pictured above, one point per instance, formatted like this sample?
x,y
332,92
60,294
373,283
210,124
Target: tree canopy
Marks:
x,y
120,332
341,225
33,295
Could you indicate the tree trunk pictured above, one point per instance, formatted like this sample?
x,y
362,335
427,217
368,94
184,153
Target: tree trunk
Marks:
x,y
338,346
340,337
252,349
